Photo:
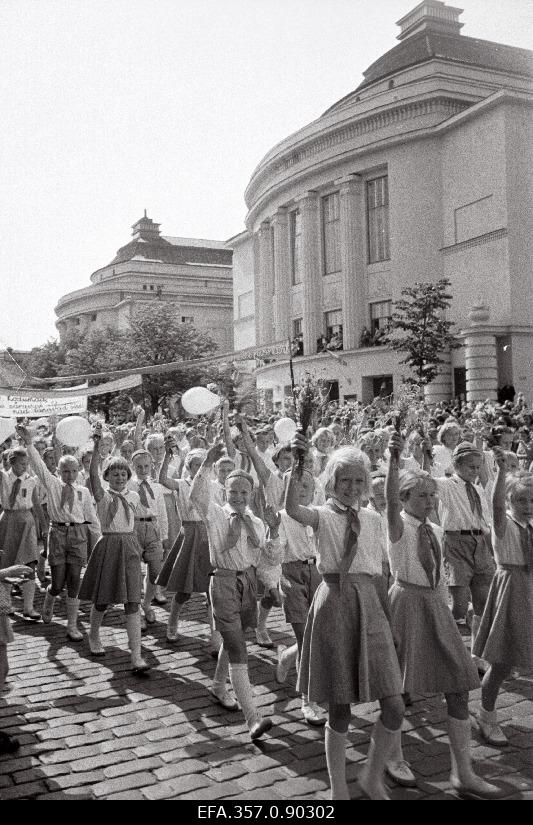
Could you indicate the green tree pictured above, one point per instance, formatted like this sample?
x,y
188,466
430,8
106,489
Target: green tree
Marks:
x,y
419,329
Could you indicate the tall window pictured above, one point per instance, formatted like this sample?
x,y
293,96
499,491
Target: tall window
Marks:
x,y
380,314
331,233
377,203
295,233
333,324
297,327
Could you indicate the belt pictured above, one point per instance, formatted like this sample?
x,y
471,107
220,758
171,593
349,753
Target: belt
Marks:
x,y
512,567
301,561
69,523
467,532
414,586
148,518
227,571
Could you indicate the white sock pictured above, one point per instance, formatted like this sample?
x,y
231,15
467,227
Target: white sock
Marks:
x,y
97,617
28,593
133,628
336,762
242,688
262,617
221,672
72,612
174,614
149,593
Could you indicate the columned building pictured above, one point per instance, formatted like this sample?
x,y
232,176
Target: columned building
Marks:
x,y
194,273
424,171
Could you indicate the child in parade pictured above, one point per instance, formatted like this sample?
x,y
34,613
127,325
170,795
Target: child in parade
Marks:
x,y
505,637
430,649
348,653
70,509
113,575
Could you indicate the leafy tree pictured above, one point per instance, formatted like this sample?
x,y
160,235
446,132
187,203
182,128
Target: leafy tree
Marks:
x,y
419,329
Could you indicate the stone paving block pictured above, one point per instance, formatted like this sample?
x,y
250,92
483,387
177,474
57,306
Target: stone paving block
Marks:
x,y
227,772
180,768
123,783
60,732
69,754
294,787
124,768
28,790
212,792
262,779
91,763
127,796
176,787
75,780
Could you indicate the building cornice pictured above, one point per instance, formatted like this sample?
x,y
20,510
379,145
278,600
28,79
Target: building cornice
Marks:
x,y
479,240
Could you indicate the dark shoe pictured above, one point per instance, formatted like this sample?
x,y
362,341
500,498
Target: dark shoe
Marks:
x,y
8,744
259,728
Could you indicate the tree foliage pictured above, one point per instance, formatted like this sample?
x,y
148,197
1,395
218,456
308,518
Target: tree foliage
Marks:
x,y
419,329
155,336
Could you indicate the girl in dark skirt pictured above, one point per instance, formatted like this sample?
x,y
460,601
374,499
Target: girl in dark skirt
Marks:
x,y
187,567
432,656
505,637
348,652
113,575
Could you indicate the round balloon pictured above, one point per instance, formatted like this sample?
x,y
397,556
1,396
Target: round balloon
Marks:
x,y
199,401
7,428
73,431
285,428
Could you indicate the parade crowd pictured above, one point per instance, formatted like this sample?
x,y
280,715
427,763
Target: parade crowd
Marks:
x,y
379,532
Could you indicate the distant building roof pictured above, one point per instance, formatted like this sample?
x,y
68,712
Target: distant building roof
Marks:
x,y
149,244
432,32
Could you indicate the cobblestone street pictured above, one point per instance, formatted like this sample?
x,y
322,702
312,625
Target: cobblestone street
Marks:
x,y
90,730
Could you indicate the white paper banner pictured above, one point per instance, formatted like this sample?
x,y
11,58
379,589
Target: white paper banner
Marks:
x,y
15,406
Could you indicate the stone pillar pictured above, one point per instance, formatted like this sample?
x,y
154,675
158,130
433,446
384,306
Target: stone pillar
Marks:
x,y
282,276
264,286
308,205
440,388
352,257
480,357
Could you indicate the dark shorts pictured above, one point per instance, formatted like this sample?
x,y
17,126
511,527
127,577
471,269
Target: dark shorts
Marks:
x,y
467,559
67,545
298,585
234,599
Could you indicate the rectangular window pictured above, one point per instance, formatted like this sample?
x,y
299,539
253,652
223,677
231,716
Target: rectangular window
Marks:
x,y
380,315
333,323
297,328
93,316
245,303
151,287
145,287
331,224
377,206
295,233
187,319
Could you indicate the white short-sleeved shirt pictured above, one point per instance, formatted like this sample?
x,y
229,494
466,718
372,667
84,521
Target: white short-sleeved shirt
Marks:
x,y
82,508
442,461
23,501
120,523
156,506
455,512
403,556
330,539
298,541
508,549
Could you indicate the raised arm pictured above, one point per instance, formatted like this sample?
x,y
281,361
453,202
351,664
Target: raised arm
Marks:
x,y
37,464
94,475
138,433
304,515
228,441
200,492
263,473
169,483
498,494
392,489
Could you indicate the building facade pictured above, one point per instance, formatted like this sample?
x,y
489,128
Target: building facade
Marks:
x,y
425,171
194,273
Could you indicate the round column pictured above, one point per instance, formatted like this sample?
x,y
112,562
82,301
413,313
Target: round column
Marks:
x,y
480,357
440,388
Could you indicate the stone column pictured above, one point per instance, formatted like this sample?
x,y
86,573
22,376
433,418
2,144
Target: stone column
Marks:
x,y
480,357
282,276
264,286
440,388
308,205
352,256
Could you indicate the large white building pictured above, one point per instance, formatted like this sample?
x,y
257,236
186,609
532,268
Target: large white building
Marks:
x,y
194,273
424,171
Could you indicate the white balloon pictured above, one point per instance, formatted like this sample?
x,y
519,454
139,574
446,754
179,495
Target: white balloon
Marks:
x,y
285,428
199,401
7,428
73,431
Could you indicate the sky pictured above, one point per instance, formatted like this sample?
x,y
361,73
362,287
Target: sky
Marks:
x,y
110,107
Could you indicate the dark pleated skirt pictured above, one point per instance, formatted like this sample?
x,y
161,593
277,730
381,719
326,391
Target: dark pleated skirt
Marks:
x,y
431,652
113,575
348,652
187,567
506,631
18,538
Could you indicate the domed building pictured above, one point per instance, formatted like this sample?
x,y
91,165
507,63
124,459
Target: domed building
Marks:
x,y
424,171
194,273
